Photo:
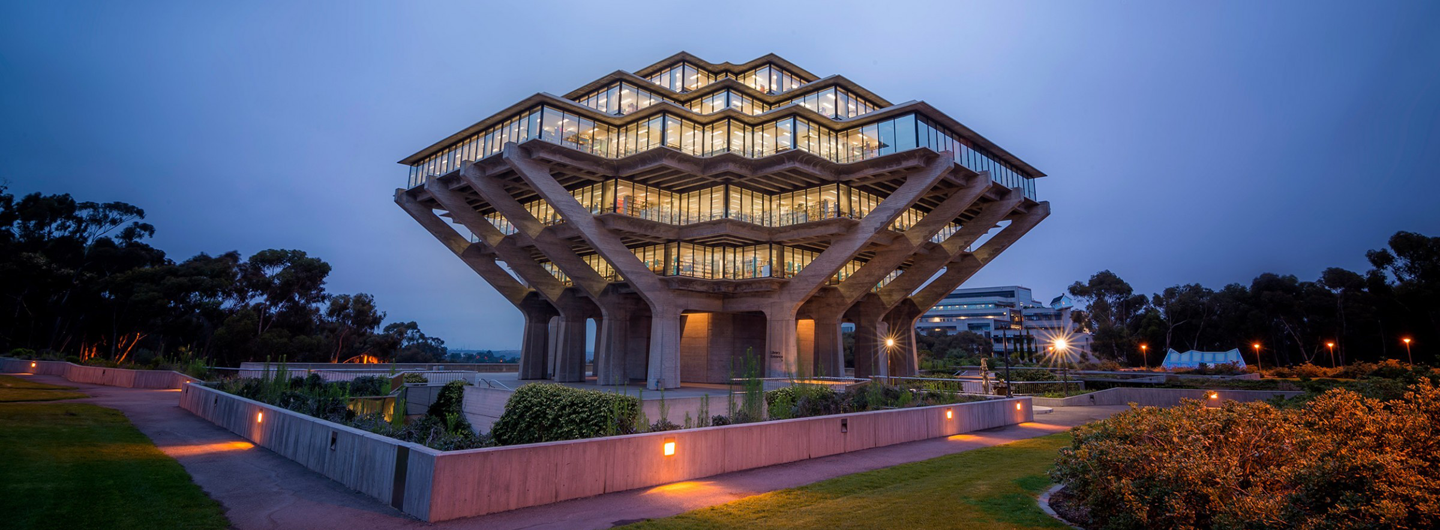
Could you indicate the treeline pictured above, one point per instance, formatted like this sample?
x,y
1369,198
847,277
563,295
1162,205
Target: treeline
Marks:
x,y
1365,315
78,279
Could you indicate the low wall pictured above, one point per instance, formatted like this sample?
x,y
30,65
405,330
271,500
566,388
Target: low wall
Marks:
x,y
394,472
436,486
99,375
497,479
1160,397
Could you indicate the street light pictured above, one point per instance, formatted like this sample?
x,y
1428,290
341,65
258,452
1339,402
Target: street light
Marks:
x,y
1145,356
1259,367
1060,346
1411,358
1331,345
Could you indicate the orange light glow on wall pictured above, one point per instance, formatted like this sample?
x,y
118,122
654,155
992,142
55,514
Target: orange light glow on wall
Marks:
x,y
949,414
669,448
1017,406
1214,395
32,364
259,417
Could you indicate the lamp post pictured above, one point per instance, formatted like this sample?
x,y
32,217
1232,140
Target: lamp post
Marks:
x,y
889,350
1331,345
1144,356
1260,367
1408,356
1064,368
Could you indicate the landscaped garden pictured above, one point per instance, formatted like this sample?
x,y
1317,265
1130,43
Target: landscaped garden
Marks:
x,y
13,389
73,465
547,412
1339,459
992,487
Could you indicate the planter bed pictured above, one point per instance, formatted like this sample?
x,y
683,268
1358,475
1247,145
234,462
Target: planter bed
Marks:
x,y
439,485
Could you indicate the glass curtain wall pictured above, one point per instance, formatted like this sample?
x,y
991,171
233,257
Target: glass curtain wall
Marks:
x,y
771,79
727,99
682,77
836,103
620,98
725,136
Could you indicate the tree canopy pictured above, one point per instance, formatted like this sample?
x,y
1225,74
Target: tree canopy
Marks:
x,y
80,278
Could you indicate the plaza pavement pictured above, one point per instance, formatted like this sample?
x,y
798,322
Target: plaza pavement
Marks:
x,y
262,490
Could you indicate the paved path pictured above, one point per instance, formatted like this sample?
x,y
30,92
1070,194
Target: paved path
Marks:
x,y
262,490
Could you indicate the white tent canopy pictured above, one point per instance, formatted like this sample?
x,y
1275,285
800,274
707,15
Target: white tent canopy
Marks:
x,y
1193,358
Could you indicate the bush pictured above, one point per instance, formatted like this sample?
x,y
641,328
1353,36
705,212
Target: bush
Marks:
x,y
546,413
21,353
1343,460
415,379
369,385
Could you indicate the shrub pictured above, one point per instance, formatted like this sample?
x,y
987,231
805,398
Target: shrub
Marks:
x,y
546,412
1343,460
21,353
415,379
369,385
450,401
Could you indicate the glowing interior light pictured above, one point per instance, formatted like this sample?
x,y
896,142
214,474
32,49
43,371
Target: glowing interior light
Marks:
x,y
669,447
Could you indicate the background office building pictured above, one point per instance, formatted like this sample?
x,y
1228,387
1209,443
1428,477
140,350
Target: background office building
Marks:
x,y
1008,315
694,212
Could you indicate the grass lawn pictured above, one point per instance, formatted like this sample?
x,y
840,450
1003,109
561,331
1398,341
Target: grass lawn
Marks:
x,y
21,389
994,487
73,465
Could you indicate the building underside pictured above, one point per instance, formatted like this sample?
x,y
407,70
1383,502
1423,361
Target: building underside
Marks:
x,y
735,233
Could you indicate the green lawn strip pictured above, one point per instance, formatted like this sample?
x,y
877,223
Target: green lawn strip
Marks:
x,y
73,465
9,395
992,487
13,382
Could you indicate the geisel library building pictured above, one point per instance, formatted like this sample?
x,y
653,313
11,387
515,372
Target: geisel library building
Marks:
x,y
699,211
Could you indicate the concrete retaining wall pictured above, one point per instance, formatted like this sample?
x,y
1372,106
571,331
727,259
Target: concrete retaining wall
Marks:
x,y
99,375
1160,397
360,460
483,481
437,486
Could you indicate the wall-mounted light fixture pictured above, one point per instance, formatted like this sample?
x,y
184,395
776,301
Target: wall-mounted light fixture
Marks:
x,y
1214,395
1018,406
259,417
32,364
949,414
669,447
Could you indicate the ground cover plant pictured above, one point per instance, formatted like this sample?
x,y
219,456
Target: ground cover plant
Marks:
x,y
992,487
1340,460
73,465
13,389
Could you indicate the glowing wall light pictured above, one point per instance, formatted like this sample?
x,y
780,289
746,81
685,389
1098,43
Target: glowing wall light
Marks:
x,y
1018,407
259,417
949,414
1214,395
669,447
32,364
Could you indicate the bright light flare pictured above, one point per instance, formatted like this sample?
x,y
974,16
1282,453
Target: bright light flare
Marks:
x,y
890,342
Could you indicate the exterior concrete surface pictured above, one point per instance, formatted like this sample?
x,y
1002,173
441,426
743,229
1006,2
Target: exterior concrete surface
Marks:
x,y
261,489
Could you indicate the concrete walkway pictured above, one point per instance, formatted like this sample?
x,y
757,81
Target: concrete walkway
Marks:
x,y
262,490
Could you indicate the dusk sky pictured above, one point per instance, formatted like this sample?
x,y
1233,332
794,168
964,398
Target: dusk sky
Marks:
x,y
1207,142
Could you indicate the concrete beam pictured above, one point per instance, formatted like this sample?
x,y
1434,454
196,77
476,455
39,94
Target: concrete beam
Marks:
x,y
926,265
473,254
547,284
967,265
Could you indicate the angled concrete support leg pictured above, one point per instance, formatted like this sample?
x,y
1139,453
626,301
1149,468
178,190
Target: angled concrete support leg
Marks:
x,y
665,330
570,358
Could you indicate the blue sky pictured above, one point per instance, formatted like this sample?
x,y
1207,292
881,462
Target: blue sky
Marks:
x,y
1202,142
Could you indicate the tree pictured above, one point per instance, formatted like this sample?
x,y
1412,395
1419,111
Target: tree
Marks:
x,y
351,319
1111,309
415,346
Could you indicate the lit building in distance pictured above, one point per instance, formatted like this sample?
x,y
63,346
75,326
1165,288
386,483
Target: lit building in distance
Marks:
x,y
1008,315
699,213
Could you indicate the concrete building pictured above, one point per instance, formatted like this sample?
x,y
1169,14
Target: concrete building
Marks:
x,y
698,211
1008,315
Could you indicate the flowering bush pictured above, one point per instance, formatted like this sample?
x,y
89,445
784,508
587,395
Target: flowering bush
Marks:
x,y
1342,460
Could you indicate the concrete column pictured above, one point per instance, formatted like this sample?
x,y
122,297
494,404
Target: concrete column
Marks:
x,y
829,349
614,332
664,369
535,345
781,344
570,348
870,355
905,359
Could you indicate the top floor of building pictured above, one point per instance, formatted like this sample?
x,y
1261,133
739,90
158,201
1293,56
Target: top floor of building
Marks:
x,y
755,109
